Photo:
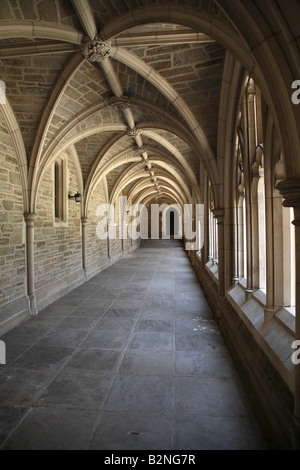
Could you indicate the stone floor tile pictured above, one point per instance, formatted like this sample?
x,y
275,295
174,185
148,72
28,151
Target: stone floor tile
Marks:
x,y
208,396
184,325
24,335
159,341
159,326
156,313
133,431
99,339
77,322
147,362
13,351
102,361
23,387
64,337
200,342
141,394
57,309
76,389
40,357
10,417
122,312
53,429
114,323
217,433
89,311
189,363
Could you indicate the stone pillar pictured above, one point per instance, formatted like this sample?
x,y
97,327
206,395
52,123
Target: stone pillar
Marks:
x,y
234,254
290,191
108,239
29,220
219,215
83,241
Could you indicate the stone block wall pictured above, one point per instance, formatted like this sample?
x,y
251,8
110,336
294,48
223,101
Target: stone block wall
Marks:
x,y
58,249
12,236
96,249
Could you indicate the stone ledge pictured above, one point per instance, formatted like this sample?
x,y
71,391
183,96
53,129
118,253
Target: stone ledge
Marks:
x,y
13,314
212,269
287,320
273,338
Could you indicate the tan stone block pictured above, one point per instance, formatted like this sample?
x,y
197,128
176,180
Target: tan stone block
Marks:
x,y
14,178
4,282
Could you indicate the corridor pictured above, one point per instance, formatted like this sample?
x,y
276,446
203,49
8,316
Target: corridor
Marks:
x,y
130,360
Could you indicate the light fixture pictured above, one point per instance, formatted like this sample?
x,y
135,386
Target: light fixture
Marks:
x,y
77,197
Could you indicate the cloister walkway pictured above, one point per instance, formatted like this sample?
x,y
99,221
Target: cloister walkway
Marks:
x,y
132,359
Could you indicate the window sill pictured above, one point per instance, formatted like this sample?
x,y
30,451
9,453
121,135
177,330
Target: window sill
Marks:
x,y
60,223
285,316
275,336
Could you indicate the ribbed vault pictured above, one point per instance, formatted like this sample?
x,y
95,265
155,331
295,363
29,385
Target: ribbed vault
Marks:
x,y
148,100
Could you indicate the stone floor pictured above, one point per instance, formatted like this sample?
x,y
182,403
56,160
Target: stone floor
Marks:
x,y
130,360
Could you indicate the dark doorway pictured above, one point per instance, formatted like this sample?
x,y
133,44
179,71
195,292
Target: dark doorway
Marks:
x,y
172,224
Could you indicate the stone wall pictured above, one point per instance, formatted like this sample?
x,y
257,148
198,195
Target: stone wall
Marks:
x,y
58,252
12,239
96,249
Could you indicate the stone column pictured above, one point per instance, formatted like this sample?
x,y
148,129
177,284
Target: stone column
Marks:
x,y
219,215
29,220
290,191
84,221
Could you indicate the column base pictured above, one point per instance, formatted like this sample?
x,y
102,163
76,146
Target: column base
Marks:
x,y
248,294
268,314
32,305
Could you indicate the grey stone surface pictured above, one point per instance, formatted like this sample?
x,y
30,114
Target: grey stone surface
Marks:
x,y
141,394
133,431
53,429
142,366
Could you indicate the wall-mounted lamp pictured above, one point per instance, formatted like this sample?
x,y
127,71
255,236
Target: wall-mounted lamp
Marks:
x,y
77,197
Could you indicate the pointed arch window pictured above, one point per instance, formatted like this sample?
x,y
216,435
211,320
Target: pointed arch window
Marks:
x,y
60,191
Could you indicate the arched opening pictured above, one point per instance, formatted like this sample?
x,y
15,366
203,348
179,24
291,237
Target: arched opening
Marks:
x,y
172,222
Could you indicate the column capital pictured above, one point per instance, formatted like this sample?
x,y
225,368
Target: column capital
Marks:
x,y
30,217
219,215
290,191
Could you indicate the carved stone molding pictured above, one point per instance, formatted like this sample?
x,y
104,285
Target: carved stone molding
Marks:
x,y
123,102
140,150
133,132
96,50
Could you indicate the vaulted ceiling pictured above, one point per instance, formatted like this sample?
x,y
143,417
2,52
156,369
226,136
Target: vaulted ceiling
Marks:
x,y
139,106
